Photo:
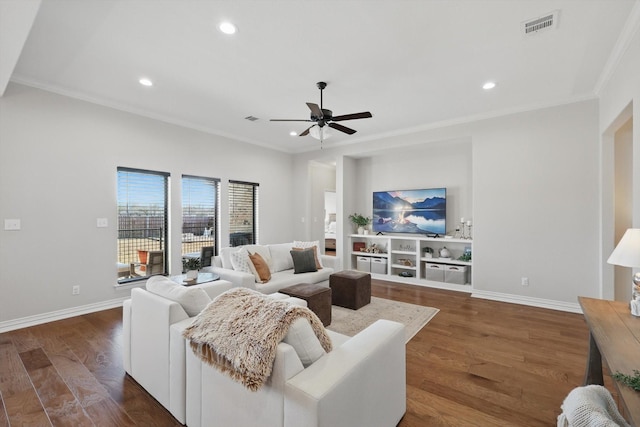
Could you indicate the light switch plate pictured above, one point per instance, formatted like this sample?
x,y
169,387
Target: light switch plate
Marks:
x,y
12,224
102,222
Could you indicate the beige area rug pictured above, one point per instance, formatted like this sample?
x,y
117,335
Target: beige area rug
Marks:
x,y
350,322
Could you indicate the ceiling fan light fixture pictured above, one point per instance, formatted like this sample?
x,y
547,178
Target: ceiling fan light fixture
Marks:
x,y
320,133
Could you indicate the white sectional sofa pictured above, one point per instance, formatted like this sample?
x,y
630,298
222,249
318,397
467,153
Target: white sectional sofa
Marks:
x,y
280,263
360,383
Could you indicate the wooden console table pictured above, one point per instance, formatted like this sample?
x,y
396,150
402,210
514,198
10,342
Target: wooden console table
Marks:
x,y
615,335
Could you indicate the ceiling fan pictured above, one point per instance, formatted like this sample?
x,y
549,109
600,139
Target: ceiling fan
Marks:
x,y
323,117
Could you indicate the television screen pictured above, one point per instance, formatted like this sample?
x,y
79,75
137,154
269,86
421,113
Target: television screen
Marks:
x,y
410,211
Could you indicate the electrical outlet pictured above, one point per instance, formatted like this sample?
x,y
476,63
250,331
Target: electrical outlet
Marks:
x,y
75,290
12,224
524,281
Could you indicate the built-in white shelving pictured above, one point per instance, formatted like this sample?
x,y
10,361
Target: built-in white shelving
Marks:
x,y
406,255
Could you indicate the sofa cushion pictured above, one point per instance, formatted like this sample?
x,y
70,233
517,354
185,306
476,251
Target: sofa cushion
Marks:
x,y
281,257
305,245
303,261
260,268
302,338
192,300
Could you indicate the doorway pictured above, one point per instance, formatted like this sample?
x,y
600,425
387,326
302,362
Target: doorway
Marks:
x,y
623,201
330,222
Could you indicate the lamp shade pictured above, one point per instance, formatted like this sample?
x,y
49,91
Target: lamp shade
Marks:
x,y
627,253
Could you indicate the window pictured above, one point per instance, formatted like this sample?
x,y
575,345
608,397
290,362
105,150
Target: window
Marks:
x,y
199,214
142,223
243,213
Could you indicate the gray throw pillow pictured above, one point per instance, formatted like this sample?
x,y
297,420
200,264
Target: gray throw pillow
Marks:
x,y
303,261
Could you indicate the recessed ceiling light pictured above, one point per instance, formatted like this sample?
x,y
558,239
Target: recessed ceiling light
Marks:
x,y
227,28
488,85
293,133
145,82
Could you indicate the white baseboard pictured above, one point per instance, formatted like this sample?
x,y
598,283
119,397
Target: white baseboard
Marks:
x,y
531,301
39,319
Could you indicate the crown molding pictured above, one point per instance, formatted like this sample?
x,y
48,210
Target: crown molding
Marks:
x,y
139,112
620,48
464,120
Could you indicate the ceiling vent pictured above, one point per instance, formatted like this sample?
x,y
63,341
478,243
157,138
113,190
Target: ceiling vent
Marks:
x,y
546,22
251,118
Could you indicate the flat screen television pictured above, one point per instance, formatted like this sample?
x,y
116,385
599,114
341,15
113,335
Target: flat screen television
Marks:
x,y
410,211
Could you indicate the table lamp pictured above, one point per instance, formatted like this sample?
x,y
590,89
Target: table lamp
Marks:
x,y
627,254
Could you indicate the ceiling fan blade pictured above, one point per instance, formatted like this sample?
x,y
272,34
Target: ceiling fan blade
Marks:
x,y
289,120
306,131
315,110
363,115
342,128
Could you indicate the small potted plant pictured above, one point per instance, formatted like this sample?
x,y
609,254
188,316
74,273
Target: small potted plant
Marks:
x,y
360,221
190,264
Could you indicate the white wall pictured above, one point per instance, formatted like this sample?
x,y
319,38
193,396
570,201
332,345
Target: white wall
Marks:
x,y
532,196
58,160
619,102
442,164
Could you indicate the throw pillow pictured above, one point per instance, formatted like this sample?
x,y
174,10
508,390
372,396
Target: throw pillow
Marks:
x,y
192,300
315,255
303,261
262,250
225,256
305,245
262,272
240,261
280,257
302,338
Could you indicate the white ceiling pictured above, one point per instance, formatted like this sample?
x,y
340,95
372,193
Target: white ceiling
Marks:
x,y
413,64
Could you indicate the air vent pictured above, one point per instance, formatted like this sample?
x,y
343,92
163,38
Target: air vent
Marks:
x,y
251,118
542,23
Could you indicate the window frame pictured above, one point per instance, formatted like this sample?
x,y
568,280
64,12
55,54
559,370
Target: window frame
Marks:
x,y
163,237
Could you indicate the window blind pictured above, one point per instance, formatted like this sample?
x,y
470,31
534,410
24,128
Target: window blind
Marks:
x,y
243,213
200,211
142,213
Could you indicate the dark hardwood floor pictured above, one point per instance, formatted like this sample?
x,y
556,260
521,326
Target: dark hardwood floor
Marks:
x,y
477,363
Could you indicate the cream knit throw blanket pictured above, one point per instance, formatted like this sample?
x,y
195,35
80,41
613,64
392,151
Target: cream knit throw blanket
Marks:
x,y
239,331
590,406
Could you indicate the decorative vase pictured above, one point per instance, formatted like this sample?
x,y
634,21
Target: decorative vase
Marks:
x,y
360,230
444,253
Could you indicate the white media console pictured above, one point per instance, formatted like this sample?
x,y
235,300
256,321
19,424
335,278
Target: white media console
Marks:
x,y
404,259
